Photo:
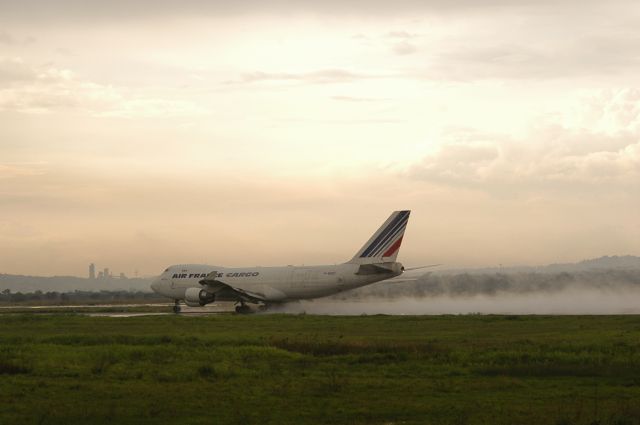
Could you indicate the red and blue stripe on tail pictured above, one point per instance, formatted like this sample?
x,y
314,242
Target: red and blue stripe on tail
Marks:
x,y
384,245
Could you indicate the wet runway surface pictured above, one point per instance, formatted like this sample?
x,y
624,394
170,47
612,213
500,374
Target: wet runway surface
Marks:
x,y
558,303
186,311
46,307
94,310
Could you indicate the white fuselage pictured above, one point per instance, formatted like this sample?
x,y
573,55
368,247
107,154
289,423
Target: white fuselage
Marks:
x,y
275,284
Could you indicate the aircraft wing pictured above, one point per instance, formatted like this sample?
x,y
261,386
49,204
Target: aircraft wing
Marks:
x,y
216,285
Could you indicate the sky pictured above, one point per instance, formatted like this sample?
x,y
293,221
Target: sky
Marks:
x,y
136,135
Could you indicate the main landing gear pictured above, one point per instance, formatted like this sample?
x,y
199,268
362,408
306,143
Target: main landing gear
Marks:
x,y
242,308
176,307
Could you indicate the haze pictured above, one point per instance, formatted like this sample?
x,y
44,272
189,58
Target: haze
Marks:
x,y
138,135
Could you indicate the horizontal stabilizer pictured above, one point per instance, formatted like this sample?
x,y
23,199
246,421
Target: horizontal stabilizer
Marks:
x,y
380,268
408,269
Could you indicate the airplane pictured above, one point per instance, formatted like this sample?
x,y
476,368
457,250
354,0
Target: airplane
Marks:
x,y
200,284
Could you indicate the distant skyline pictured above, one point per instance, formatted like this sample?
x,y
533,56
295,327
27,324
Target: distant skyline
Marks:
x,y
142,134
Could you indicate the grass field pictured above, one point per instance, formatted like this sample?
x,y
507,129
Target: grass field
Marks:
x,y
273,369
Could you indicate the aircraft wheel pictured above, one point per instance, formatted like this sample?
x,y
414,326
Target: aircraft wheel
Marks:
x,y
176,307
243,309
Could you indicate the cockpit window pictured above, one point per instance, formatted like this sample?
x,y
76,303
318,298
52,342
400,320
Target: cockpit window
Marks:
x,y
167,270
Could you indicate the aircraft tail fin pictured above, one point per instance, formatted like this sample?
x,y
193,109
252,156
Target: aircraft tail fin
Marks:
x,y
385,243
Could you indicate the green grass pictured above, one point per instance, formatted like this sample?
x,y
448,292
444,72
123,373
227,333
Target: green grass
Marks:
x,y
278,369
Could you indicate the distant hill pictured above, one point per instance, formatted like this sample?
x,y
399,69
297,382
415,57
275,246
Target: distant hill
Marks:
x,y
614,262
624,262
19,283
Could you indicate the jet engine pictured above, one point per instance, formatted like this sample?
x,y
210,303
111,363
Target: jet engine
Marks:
x,y
195,297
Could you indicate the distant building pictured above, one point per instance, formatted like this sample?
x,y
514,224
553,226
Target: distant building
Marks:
x,y
92,271
100,275
122,276
106,273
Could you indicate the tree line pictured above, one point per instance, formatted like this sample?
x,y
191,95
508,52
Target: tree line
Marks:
x,y
54,297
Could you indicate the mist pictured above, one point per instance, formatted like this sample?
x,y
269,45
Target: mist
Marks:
x,y
571,301
582,288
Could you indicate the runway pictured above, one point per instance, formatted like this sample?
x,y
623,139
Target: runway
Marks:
x,y
155,309
207,310
42,307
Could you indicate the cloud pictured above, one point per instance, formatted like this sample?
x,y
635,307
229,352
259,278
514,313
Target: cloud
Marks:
x,y
122,10
401,34
356,99
8,171
487,165
325,76
595,55
6,38
28,89
611,110
9,40
14,69
552,157
16,230
403,48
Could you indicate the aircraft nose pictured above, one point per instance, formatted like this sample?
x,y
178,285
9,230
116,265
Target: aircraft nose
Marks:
x,y
155,285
